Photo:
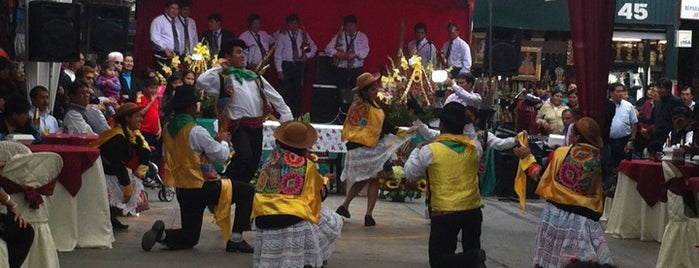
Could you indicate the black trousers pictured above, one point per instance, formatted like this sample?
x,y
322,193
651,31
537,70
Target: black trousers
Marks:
x,y
19,240
192,205
292,84
444,230
157,154
616,154
247,143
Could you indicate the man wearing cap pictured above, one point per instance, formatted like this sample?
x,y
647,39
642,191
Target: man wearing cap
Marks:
x,y
451,164
188,168
245,110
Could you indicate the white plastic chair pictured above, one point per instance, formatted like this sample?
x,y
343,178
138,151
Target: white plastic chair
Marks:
x,y
33,170
681,233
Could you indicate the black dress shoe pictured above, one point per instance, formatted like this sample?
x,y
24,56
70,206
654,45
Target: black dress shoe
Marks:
x,y
117,225
241,246
369,220
342,210
153,235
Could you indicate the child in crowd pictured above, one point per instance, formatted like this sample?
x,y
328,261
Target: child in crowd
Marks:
x,y
108,83
151,127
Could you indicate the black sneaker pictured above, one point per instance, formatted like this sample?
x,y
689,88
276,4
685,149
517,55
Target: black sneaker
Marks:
x,y
241,246
153,235
369,220
342,210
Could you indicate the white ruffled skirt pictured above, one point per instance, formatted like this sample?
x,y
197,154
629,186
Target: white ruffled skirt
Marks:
x,y
138,201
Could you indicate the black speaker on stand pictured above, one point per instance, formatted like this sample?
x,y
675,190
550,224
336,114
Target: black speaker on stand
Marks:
x,y
55,32
108,28
505,48
324,101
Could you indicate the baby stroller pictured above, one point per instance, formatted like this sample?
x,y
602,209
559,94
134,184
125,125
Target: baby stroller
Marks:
x,y
153,181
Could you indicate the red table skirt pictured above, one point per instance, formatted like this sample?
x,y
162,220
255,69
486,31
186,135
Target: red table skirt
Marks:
x,y
649,178
76,160
68,139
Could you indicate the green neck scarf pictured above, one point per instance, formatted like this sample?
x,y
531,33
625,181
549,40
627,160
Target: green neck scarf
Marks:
x,y
240,74
178,122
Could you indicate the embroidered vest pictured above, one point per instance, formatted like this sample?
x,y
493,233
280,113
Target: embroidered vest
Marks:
x,y
288,184
363,124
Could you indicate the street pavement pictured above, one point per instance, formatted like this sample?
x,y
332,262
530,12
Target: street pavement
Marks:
x,y
399,239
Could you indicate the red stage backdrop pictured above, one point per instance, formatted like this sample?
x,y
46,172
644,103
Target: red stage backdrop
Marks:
x,y
379,19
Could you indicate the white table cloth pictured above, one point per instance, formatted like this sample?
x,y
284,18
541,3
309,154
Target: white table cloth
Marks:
x,y
328,138
629,217
83,220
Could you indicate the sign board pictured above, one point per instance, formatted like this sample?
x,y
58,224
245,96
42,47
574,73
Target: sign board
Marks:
x,y
684,38
646,12
689,9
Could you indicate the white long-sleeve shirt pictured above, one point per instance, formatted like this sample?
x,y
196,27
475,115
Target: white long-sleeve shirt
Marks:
x,y
191,31
201,142
245,101
431,134
360,48
464,97
255,55
161,35
459,55
285,49
47,123
425,49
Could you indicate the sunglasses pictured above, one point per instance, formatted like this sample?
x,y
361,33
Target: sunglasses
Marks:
x,y
118,62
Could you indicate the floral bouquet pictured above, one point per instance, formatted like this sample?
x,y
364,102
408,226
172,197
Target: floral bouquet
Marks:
x,y
407,87
394,186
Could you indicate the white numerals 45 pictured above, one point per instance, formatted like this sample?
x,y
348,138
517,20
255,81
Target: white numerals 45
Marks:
x,y
637,11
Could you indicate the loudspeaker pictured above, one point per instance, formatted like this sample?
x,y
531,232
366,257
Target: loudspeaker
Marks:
x,y
108,28
325,72
325,103
505,50
55,32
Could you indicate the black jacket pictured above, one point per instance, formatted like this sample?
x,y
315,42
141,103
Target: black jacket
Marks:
x,y
130,88
207,38
662,125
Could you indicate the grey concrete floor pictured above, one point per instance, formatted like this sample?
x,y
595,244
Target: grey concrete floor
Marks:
x,y
399,240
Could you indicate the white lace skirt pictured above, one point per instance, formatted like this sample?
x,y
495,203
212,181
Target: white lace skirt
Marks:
x,y
364,163
138,201
299,245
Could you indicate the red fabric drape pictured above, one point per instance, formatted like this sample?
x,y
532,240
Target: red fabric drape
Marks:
x,y
379,19
31,195
591,27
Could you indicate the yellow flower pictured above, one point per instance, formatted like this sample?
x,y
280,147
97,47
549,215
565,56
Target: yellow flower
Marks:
x,y
313,157
404,63
175,62
392,184
422,185
398,172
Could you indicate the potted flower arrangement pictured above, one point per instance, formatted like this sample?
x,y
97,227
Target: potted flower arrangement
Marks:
x,y
394,186
407,87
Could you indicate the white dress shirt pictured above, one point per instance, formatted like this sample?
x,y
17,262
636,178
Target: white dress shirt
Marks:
x,y
245,101
361,48
425,49
47,123
624,118
161,34
201,142
255,55
460,54
285,48
464,97
431,134
191,31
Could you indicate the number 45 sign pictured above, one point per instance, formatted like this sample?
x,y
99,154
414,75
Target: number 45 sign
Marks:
x,y
645,12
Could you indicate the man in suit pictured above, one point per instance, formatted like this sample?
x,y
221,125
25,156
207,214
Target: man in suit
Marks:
x,y
215,36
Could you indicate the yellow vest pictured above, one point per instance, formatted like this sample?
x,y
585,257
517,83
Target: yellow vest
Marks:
x,y
182,164
363,124
453,177
306,205
552,191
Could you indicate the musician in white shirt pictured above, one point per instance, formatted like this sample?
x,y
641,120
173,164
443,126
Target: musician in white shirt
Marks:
x,y
457,53
258,41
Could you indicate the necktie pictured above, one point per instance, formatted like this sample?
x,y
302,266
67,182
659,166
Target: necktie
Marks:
x,y
449,49
259,44
295,48
175,39
186,35
214,42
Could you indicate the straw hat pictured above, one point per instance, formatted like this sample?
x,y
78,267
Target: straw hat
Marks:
x,y
296,134
127,109
588,128
366,79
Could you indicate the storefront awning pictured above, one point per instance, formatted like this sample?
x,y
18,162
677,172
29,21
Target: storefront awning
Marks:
x,y
538,15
